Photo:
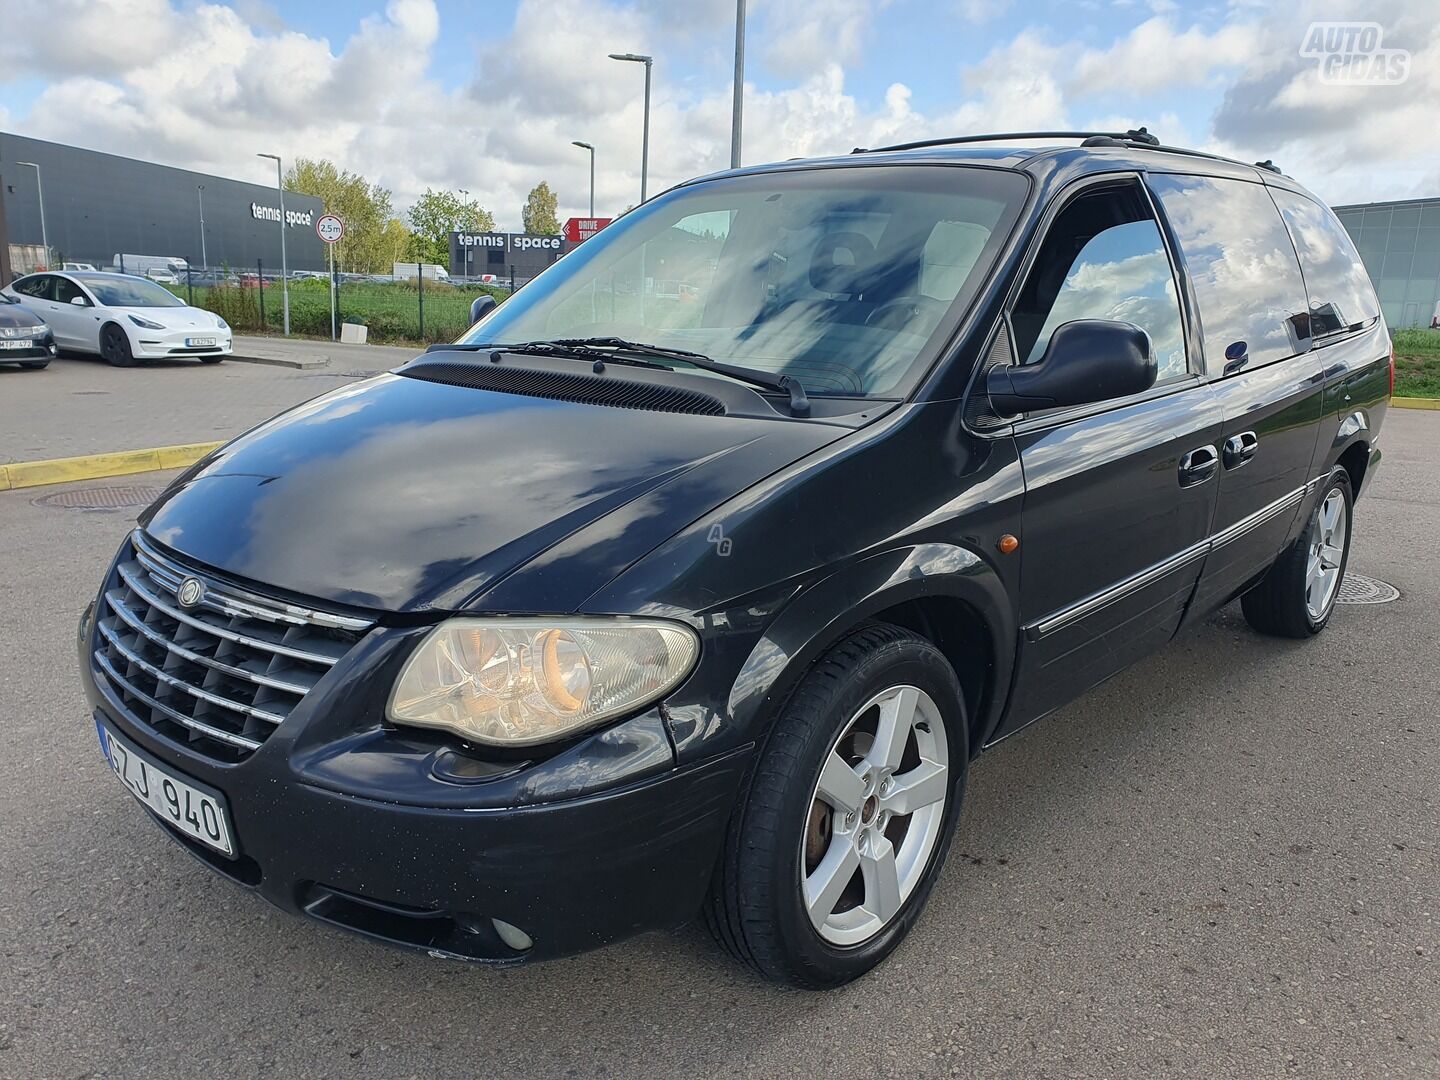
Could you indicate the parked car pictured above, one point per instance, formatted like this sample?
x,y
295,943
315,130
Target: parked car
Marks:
x,y
122,318
622,609
80,266
24,337
162,276
213,277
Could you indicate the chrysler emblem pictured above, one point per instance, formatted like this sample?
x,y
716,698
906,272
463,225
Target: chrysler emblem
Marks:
x,y
192,591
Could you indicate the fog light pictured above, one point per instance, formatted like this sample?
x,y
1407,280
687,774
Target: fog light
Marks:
x,y
513,936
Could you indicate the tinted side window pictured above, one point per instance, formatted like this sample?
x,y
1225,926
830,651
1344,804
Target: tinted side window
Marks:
x,y
37,286
1103,258
1242,264
66,290
1340,292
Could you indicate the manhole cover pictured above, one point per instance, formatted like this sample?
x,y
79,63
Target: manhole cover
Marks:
x,y
1358,589
115,497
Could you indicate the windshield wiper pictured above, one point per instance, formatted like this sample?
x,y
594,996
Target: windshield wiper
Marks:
x,y
785,384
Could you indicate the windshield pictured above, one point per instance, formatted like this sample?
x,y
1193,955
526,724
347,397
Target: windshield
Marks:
x,y
839,277
116,291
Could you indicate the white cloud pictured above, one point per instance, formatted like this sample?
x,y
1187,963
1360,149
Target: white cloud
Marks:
x,y
1156,54
205,85
802,38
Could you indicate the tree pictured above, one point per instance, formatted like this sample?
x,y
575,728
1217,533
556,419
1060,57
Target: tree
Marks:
x,y
539,212
437,214
364,207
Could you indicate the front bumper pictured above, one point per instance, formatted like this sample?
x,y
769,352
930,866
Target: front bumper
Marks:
x,y
148,344
35,349
573,875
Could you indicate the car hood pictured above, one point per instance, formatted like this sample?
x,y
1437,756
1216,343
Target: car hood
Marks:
x,y
18,315
410,496
176,318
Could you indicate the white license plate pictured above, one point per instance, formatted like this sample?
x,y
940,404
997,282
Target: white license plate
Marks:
x,y
199,814
199,342
16,344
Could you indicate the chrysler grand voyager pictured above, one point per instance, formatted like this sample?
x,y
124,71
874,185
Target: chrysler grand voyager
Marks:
x,y
692,578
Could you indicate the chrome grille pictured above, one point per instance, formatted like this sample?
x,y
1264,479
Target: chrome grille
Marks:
x,y
221,675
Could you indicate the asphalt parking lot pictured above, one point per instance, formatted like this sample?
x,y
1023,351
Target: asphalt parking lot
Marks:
x,y
1224,863
165,403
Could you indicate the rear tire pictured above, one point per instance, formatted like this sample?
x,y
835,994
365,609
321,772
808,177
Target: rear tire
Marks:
x,y
1296,598
115,346
806,893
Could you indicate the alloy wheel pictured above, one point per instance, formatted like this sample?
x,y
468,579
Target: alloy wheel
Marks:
x,y
875,816
1326,555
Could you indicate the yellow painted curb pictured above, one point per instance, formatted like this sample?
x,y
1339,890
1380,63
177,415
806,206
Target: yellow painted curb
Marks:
x,y
24,474
1416,403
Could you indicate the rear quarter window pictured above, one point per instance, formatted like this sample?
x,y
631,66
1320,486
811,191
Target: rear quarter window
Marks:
x,y
1341,295
1242,264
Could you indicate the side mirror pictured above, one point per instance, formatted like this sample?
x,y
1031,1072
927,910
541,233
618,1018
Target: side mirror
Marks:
x,y
79,301
1087,360
483,305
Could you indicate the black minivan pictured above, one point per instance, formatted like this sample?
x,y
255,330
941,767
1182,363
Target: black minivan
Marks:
x,y
694,576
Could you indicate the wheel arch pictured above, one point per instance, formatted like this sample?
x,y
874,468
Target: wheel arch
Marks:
x,y
945,593
1355,459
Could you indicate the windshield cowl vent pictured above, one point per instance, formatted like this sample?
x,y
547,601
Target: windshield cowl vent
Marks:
x,y
568,386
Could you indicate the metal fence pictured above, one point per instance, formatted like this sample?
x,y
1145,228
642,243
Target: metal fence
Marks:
x,y
408,310
394,308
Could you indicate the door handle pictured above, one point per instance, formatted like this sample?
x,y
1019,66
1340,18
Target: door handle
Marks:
x,y
1240,448
1198,465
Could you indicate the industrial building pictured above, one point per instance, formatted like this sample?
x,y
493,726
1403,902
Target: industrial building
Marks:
x,y
90,207
1400,244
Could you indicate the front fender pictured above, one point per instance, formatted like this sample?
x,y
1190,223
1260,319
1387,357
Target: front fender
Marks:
x,y
820,614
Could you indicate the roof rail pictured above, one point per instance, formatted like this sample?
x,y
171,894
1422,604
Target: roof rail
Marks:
x,y
1135,136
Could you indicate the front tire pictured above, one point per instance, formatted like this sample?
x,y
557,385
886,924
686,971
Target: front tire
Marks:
x,y
35,365
115,346
1296,598
847,814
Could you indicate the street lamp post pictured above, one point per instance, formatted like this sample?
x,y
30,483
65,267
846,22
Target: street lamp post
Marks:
x,y
40,193
649,62
739,92
284,264
204,259
587,146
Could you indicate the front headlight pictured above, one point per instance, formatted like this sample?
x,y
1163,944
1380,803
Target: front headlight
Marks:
x,y
221,323
523,681
146,323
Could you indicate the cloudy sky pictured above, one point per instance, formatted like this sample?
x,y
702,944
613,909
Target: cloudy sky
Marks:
x,y
487,97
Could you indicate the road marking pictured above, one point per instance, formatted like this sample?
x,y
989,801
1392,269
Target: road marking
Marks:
x,y
26,474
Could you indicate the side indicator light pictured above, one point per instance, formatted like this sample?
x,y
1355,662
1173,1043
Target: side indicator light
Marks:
x,y
1007,544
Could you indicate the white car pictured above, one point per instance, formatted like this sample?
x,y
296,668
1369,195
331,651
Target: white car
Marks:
x,y
123,318
162,276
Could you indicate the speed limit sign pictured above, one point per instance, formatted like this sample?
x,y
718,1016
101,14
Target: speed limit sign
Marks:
x,y
330,228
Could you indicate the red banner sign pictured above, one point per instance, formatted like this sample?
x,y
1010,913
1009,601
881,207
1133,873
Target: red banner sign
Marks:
x,y
582,228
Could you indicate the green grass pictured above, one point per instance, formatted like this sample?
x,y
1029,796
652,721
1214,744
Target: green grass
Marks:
x,y
392,312
1417,342
1417,376
1417,363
